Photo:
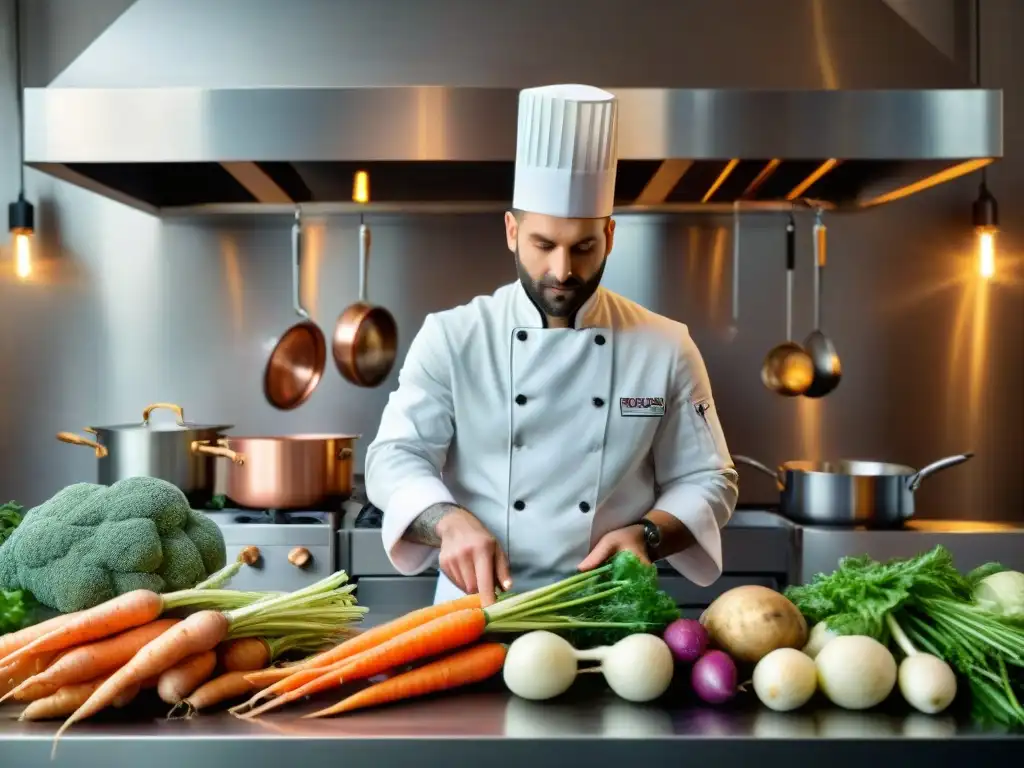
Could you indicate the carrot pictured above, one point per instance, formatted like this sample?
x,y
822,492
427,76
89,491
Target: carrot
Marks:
x,y
227,686
126,696
13,676
62,703
90,661
185,676
15,641
245,654
465,667
132,609
444,633
280,678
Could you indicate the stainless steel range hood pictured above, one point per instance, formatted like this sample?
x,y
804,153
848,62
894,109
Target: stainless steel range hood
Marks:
x,y
212,106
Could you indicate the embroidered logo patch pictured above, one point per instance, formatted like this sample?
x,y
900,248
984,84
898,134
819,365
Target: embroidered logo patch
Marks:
x,y
642,406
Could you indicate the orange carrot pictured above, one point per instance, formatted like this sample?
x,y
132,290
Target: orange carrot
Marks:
x,y
90,661
228,686
361,642
132,609
15,641
62,703
465,667
199,632
368,639
16,674
445,633
245,654
184,677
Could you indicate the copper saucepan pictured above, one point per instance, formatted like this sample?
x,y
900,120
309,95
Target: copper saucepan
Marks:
x,y
288,472
297,363
365,336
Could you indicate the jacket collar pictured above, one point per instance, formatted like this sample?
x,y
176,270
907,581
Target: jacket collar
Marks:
x,y
526,314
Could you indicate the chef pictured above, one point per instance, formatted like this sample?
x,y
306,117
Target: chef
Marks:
x,y
539,430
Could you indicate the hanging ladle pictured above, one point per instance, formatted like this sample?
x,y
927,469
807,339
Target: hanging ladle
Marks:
x,y
827,370
787,369
297,363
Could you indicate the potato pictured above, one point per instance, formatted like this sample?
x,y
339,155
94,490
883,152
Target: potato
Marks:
x,y
750,622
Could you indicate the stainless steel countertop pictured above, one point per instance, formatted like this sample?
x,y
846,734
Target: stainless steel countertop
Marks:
x,y
590,727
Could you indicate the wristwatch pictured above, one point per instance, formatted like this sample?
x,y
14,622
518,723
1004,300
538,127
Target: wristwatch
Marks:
x,y
652,538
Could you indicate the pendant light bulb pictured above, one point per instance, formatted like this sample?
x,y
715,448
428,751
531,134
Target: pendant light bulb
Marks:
x,y
986,225
21,223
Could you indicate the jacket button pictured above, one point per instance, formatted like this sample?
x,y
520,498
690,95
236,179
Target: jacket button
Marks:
x,y
520,505
521,335
584,507
599,339
520,399
598,402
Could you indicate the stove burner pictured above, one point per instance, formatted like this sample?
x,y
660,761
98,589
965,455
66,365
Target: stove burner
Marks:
x,y
369,517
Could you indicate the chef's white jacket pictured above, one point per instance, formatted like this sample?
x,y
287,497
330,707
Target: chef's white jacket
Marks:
x,y
552,437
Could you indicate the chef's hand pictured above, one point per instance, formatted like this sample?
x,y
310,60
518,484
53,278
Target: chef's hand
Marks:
x,y
628,539
471,557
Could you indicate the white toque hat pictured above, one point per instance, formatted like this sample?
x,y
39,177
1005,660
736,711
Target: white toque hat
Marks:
x,y
566,151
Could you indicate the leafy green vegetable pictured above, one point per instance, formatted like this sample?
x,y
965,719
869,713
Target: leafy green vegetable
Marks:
x,y
15,611
11,515
932,601
596,607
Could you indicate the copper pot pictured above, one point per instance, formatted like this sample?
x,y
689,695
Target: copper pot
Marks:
x,y
289,472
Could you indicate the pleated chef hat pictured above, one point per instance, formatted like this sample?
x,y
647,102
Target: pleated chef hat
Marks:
x,y
567,151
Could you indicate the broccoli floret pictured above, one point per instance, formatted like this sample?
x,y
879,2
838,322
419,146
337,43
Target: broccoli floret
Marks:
x,y
89,543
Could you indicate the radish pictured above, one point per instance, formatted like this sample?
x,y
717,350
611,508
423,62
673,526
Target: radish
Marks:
x,y
927,683
714,677
541,665
785,679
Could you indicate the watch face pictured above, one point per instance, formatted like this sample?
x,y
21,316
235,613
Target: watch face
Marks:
x,y
653,535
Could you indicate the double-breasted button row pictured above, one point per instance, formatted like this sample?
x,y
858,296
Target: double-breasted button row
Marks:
x,y
599,339
519,505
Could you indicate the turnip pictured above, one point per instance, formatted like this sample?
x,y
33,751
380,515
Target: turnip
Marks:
x,y
638,667
687,639
856,672
927,682
750,622
714,677
819,637
541,665
785,679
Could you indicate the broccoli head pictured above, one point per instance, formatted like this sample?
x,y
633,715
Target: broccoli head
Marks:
x,y
89,543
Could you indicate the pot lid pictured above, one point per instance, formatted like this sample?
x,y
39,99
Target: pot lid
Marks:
x,y
164,424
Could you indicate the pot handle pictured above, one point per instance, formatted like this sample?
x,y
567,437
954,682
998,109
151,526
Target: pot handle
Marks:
x,y
950,461
344,453
72,439
222,451
780,480
179,412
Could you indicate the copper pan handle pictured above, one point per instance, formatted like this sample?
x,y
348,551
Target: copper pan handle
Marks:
x,y
179,412
344,453
200,446
72,439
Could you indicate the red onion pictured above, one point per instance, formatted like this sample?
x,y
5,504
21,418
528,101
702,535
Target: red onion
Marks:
x,y
714,677
687,638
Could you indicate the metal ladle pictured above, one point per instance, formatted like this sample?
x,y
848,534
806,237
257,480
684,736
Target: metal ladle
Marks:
x,y
827,369
787,369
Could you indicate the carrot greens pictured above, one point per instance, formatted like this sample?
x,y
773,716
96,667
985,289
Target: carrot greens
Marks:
x,y
595,607
932,602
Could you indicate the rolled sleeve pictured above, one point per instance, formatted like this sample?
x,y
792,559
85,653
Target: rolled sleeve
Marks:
x,y
693,468
404,462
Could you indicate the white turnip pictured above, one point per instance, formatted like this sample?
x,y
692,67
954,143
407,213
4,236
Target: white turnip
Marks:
x,y
927,683
819,637
785,679
750,622
541,665
856,672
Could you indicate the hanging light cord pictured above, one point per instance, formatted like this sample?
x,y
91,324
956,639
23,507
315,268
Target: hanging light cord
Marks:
x,y
977,66
19,95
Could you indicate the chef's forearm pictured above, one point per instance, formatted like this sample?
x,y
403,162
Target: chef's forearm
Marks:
x,y
423,530
675,537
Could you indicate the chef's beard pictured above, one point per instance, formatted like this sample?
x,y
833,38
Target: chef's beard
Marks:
x,y
559,305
